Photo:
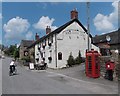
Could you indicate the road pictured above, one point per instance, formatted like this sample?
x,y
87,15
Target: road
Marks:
x,y
46,82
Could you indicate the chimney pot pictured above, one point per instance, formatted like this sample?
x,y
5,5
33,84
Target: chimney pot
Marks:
x,y
48,30
74,14
36,36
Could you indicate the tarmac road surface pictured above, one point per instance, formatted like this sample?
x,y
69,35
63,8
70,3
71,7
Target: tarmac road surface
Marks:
x,y
45,82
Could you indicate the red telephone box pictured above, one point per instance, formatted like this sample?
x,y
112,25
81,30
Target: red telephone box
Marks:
x,y
92,64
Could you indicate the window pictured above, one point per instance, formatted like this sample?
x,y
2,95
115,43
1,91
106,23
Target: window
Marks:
x,y
105,51
59,56
37,59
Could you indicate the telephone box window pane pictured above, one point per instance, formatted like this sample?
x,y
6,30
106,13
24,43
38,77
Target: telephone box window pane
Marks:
x,y
89,64
96,59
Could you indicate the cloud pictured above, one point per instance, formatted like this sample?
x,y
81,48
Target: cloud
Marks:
x,y
29,35
107,23
43,22
16,28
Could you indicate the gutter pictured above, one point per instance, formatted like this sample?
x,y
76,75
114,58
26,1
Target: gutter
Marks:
x,y
56,49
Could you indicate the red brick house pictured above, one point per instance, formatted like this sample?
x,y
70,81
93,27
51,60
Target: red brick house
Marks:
x,y
107,42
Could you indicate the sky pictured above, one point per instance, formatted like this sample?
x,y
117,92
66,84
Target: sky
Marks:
x,y
22,20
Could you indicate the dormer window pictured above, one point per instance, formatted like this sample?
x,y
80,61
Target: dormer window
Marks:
x,y
44,42
39,47
50,41
43,45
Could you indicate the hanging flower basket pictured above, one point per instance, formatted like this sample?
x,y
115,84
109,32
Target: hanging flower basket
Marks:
x,y
39,48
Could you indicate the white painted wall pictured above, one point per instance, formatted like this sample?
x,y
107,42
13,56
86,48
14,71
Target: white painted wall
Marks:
x,y
47,50
71,42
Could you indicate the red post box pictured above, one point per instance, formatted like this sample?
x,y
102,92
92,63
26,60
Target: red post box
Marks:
x,y
109,70
110,65
92,64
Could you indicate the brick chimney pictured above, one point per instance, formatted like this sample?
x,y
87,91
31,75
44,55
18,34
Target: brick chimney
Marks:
x,y
36,36
74,14
48,30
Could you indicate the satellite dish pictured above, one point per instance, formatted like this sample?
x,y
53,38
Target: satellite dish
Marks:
x,y
108,38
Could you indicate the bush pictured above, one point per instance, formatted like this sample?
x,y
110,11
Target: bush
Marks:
x,y
26,59
78,59
70,60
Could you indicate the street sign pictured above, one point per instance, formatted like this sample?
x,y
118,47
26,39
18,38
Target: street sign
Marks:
x,y
31,66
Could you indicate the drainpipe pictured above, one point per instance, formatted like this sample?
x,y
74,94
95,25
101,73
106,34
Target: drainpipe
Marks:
x,y
56,49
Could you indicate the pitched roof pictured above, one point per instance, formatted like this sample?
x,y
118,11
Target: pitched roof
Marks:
x,y
102,38
58,30
26,43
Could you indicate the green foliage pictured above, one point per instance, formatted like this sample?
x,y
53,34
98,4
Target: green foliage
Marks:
x,y
78,59
26,59
2,47
16,53
70,60
10,50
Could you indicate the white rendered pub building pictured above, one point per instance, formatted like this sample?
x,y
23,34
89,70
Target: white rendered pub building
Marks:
x,y
56,46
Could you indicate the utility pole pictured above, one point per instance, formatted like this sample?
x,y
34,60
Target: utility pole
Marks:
x,y
88,19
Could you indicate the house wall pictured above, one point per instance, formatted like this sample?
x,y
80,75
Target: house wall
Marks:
x,y
47,53
72,39
31,54
22,49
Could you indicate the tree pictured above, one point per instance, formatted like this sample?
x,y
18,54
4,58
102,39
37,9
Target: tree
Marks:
x,y
78,59
12,48
16,53
70,60
2,47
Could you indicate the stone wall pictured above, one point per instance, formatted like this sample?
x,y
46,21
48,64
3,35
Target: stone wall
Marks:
x,y
104,59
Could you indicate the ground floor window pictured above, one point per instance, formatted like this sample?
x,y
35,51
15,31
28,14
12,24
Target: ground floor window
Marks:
x,y
59,56
105,51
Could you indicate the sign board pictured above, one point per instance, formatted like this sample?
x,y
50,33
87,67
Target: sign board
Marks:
x,y
31,66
